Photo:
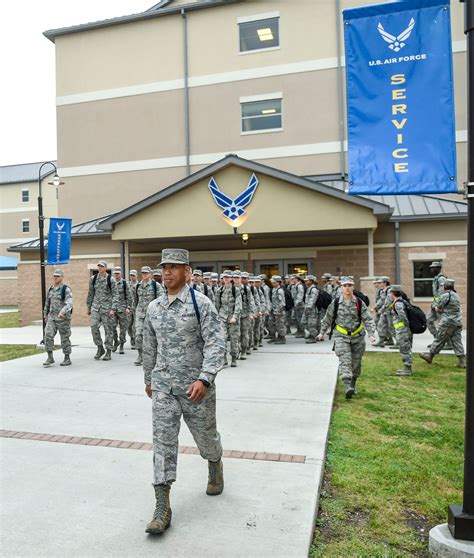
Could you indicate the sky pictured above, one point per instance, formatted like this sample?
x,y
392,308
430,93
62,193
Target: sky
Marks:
x,y
27,91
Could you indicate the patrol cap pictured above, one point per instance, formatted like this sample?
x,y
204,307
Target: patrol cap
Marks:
x,y
263,276
197,272
384,278
226,273
133,272
236,273
276,278
449,282
245,275
395,289
157,272
207,274
287,276
327,275
378,280
310,278
102,263
251,279
257,279
146,269
333,278
117,269
174,256
347,281
214,276
437,264
58,273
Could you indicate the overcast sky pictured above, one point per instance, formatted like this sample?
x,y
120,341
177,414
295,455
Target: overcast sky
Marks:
x,y
27,92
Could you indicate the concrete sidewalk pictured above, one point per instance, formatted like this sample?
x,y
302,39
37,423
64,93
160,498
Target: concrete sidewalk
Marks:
x,y
67,496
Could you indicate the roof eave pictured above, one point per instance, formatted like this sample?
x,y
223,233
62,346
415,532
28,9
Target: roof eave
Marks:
x,y
437,217
51,34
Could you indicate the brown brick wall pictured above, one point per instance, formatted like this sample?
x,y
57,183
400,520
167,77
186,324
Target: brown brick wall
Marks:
x,y
9,291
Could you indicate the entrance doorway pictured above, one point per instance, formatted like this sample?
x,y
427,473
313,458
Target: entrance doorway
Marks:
x,y
283,267
232,266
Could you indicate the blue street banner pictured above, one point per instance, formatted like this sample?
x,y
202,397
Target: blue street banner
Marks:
x,y
59,241
400,107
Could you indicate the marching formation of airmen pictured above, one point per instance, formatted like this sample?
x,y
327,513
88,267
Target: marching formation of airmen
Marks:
x,y
252,309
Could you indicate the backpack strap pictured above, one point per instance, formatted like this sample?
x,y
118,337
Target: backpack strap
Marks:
x,y
196,309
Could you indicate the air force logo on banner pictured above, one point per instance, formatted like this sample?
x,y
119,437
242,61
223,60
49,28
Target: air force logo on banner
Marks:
x,y
233,209
60,227
396,43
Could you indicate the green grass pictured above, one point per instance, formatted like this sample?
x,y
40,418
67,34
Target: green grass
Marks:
x,y
9,319
394,460
9,352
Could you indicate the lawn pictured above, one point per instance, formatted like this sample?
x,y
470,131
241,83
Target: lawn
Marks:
x,y
9,319
9,352
394,460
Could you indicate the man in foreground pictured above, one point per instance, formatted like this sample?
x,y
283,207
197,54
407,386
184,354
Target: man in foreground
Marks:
x,y
183,350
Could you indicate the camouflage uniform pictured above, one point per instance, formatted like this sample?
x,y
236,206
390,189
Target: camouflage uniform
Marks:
x,y
448,307
276,322
53,306
384,321
348,347
299,296
229,307
121,319
438,289
246,318
131,318
177,351
102,297
402,331
311,312
145,295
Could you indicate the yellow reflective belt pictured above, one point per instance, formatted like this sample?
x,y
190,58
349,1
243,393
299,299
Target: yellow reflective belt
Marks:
x,y
345,332
399,325
436,298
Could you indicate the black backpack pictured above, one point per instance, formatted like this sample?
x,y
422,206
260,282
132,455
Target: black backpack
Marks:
x,y
324,300
155,289
363,297
109,281
63,293
416,317
221,290
289,302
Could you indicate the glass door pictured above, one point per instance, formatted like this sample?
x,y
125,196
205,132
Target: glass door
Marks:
x,y
269,268
233,266
205,266
297,267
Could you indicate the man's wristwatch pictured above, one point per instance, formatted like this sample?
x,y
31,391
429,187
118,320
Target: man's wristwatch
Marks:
x,y
205,382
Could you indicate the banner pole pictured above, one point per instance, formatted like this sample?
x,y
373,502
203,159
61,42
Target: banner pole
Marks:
x,y
461,518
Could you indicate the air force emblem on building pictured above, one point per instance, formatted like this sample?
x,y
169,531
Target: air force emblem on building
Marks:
x,y
233,209
396,43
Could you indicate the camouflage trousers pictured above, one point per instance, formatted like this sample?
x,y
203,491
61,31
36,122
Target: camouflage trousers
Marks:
x,y
139,322
233,335
384,328
98,318
53,326
131,328
256,332
350,351
121,321
246,324
276,324
431,320
200,417
299,313
313,322
448,331
405,341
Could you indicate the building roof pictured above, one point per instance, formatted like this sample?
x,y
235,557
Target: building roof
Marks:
x,y
381,210
413,207
7,263
86,229
163,8
27,172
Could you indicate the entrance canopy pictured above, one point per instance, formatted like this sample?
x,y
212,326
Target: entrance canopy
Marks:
x,y
237,195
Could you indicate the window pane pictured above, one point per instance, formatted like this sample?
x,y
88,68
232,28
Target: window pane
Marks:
x,y
423,288
26,226
25,195
262,108
266,123
421,270
298,268
270,269
255,35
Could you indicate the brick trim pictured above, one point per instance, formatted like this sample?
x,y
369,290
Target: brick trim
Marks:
x,y
124,444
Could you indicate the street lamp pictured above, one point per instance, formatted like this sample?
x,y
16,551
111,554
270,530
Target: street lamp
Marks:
x,y
55,182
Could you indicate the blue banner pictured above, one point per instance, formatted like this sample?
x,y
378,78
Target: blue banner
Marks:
x,y
400,107
59,241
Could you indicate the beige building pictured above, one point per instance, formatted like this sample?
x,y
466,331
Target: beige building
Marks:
x,y
19,217
150,105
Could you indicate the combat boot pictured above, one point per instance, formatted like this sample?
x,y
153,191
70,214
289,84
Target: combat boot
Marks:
x,y
233,364
108,355
139,360
66,361
271,340
299,335
116,344
406,371
255,347
50,360
215,482
249,352
353,384
311,340
121,351
379,344
461,363
260,344
242,356
161,519
348,388
427,357
100,352
226,362
280,341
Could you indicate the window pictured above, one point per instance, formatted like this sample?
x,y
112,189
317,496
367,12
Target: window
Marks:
x,y
298,268
261,115
25,224
259,34
422,279
25,196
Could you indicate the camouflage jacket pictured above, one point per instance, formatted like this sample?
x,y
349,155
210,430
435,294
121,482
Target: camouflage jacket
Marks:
x,y
145,294
438,286
54,303
449,308
227,306
399,313
348,318
103,295
133,290
312,295
277,298
299,295
177,348
124,296
328,288
248,302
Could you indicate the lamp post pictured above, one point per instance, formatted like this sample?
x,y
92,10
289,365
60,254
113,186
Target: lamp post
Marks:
x,y
55,182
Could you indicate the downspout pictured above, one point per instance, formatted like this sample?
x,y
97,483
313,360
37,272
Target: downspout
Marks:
x,y
187,140
397,252
340,90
